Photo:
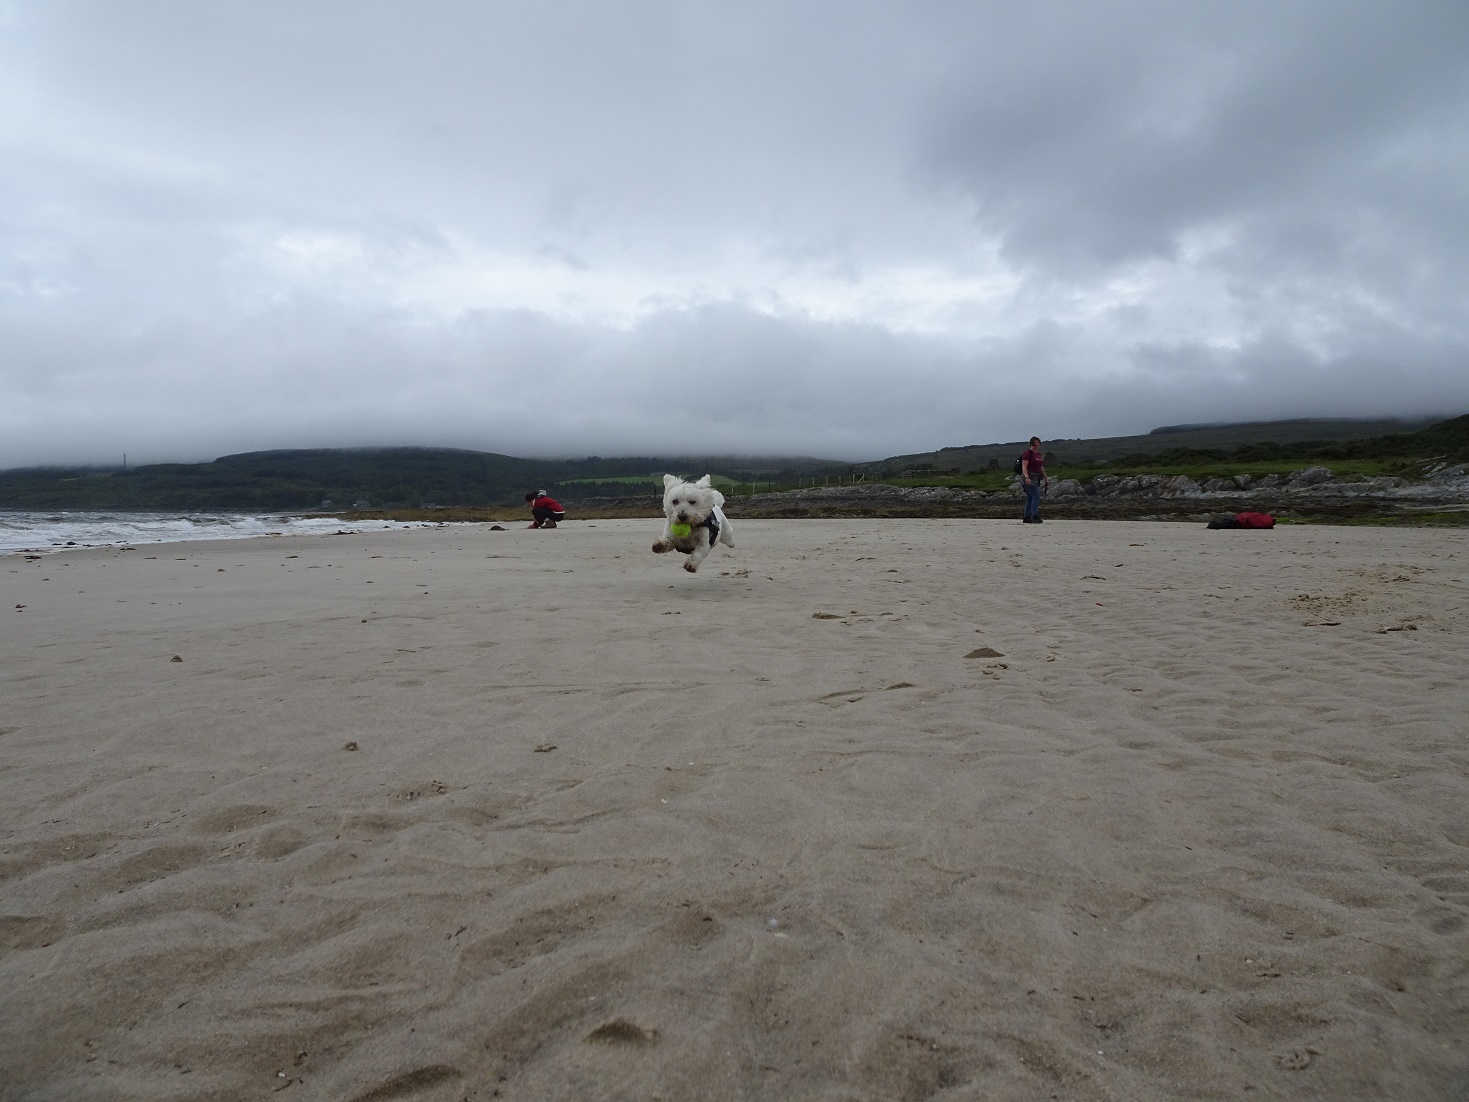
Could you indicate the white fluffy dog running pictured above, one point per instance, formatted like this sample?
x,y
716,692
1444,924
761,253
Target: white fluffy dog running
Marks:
x,y
693,520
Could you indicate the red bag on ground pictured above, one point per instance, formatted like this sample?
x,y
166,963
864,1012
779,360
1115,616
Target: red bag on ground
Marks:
x,y
1255,520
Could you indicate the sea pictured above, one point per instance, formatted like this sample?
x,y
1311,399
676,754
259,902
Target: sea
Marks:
x,y
42,532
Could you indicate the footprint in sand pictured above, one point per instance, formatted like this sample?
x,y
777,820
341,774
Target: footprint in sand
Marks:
x,y
620,1031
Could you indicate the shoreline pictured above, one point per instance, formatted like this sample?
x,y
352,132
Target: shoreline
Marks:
x,y
1429,506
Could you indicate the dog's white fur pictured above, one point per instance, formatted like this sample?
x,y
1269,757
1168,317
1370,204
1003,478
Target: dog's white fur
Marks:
x,y
692,503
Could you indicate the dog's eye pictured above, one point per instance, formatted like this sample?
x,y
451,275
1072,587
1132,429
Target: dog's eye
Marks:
x,y
675,501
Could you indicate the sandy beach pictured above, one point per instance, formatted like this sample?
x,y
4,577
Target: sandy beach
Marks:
x,y
863,810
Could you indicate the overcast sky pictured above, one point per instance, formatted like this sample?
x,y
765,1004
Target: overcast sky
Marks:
x,y
823,227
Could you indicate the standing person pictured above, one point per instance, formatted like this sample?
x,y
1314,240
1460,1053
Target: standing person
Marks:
x,y
1032,477
545,510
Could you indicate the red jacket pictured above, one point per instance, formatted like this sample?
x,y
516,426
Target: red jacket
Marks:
x,y
544,502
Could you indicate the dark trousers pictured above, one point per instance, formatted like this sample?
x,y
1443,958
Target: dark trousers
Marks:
x,y
1032,499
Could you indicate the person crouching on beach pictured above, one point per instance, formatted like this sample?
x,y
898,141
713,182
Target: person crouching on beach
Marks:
x,y
1032,475
545,510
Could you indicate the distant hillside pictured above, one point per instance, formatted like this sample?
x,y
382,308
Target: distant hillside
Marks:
x,y
1218,439
1448,440
378,478
337,479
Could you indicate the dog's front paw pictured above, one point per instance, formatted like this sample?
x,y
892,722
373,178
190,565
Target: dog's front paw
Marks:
x,y
660,547
691,566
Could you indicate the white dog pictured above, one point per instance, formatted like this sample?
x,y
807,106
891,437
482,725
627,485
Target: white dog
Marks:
x,y
696,511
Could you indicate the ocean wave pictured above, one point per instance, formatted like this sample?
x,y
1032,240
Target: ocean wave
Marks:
x,y
43,532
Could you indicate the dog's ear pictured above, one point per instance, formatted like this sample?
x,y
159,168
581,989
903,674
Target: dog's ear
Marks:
x,y
669,481
703,482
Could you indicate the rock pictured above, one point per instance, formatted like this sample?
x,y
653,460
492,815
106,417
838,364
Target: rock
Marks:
x,y
1151,496
1311,476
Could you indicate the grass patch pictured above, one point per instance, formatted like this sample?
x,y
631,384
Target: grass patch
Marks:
x,y
974,480
1201,471
620,479
1344,469
653,481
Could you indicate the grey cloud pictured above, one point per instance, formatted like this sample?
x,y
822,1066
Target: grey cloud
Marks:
x,y
719,379
1106,142
848,230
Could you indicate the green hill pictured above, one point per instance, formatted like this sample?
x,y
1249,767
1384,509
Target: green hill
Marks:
x,y
1268,439
340,479
376,478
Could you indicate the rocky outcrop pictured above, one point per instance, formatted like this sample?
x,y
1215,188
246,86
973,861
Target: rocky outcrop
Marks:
x,y
1312,490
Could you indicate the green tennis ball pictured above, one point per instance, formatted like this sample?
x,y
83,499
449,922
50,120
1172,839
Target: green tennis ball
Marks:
x,y
681,531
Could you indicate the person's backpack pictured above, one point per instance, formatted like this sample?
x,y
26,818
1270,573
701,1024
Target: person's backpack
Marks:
x,y
1019,465
1244,520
